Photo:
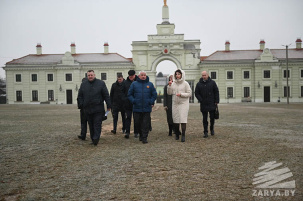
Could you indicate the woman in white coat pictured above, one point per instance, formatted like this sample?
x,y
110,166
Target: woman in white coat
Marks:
x,y
181,92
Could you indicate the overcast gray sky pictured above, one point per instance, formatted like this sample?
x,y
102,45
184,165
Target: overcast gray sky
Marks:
x,y
57,23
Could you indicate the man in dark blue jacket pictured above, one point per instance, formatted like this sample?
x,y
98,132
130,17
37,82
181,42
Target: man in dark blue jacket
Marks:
x,y
91,97
207,93
142,94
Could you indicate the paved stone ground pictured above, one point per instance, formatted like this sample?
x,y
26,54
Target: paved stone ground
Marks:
x,y
42,159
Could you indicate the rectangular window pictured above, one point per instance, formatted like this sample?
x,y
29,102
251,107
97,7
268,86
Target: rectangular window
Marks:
x,y
285,91
246,92
213,75
230,75
18,77
266,74
301,91
246,74
35,95
68,77
19,95
50,77
230,92
51,95
103,76
34,78
284,73
301,73
85,75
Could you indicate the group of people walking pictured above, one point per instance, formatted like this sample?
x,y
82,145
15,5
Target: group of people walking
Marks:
x,y
135,97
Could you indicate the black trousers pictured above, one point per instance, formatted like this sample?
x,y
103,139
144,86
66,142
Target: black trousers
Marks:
x,y
142,122
212,120
83,120
116,117
95,125
128,121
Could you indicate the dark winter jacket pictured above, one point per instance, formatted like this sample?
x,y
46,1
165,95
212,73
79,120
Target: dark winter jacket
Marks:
x,y
142,94
117,95
208,94
127,104
91,96
167,102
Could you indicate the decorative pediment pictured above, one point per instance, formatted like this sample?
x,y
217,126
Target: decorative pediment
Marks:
x,y
266,56
68,59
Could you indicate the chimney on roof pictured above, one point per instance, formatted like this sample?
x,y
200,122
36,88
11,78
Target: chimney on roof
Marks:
x,y
299,43
105,47
227,46
39,49
262,44
73,48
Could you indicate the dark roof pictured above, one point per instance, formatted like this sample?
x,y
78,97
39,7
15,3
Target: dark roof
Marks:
x,y
81,58
253,54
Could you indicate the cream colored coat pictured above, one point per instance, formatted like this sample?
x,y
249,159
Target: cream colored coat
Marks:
x,y
180,104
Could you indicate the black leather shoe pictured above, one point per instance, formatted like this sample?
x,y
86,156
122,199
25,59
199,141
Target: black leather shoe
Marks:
x,y
126,135
113,131
212,132
80,137
177,137
95,142
205,134
144,141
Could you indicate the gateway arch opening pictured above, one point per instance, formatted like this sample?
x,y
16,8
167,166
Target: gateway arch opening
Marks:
x,y
164,69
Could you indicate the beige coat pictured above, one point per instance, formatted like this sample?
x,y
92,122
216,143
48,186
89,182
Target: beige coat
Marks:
x,y
180,104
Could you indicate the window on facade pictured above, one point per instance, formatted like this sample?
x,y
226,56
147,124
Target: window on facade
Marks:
x,y
68,77
266,74
229,75
50,77
19,95
246,74
230,92
85,75
285,91
50,95
18,77
301,91
213,75
118,74
301,73
284,73
35,95
246,92
103,76
34,78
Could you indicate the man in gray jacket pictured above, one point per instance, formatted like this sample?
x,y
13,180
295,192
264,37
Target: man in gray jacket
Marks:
x,y
91,97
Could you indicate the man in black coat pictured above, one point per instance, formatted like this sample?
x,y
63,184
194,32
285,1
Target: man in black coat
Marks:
x,y
116,98
207,93
128,106
91,97
83,119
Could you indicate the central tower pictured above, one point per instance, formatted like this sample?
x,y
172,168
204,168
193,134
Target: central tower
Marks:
x,y
166,45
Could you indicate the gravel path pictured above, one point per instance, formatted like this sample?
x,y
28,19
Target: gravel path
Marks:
x,y
42,158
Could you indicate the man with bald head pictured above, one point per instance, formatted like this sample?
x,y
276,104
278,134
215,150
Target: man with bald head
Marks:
x,y
207,93
142,94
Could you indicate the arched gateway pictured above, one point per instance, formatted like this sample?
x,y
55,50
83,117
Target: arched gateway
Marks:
x,y
166,45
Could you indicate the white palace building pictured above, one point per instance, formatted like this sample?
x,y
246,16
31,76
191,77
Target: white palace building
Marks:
x,y
242,75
